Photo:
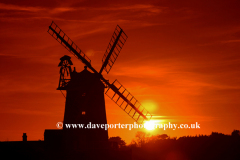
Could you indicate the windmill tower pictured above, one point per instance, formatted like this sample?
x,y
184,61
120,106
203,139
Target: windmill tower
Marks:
x,y
85,90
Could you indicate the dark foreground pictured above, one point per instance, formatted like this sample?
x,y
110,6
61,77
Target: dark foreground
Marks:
x,y
217,146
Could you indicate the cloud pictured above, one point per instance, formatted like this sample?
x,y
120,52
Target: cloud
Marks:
x,y
61,10
138,7
140,71
232,41
20,8
43,10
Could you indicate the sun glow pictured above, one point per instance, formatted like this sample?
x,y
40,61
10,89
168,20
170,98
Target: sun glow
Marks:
x,y
150,105
149,125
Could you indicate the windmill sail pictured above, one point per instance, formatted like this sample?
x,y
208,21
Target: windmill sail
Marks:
x,y
63,39
127,102
115,90
114,47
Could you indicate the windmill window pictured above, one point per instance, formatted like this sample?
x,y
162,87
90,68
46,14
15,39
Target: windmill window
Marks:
x,y
83,112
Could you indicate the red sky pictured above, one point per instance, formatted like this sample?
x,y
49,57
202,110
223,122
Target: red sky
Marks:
x,y
181,61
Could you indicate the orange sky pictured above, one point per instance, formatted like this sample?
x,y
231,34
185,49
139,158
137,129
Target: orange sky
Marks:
x,y
181,61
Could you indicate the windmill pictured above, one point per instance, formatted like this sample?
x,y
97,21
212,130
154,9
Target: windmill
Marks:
x,y
85,90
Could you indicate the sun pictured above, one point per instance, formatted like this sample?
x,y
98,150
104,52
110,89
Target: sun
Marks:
x,y
149,125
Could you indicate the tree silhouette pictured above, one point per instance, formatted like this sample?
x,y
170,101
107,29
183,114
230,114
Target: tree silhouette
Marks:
x,y
162,136
121,143
236,133
142,138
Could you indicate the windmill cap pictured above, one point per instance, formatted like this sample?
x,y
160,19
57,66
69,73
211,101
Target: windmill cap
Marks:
x,y
65,57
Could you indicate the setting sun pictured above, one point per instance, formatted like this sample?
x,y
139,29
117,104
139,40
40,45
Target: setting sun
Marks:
x,y
149,125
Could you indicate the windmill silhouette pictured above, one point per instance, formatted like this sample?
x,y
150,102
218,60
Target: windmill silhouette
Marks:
x,y
85,90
